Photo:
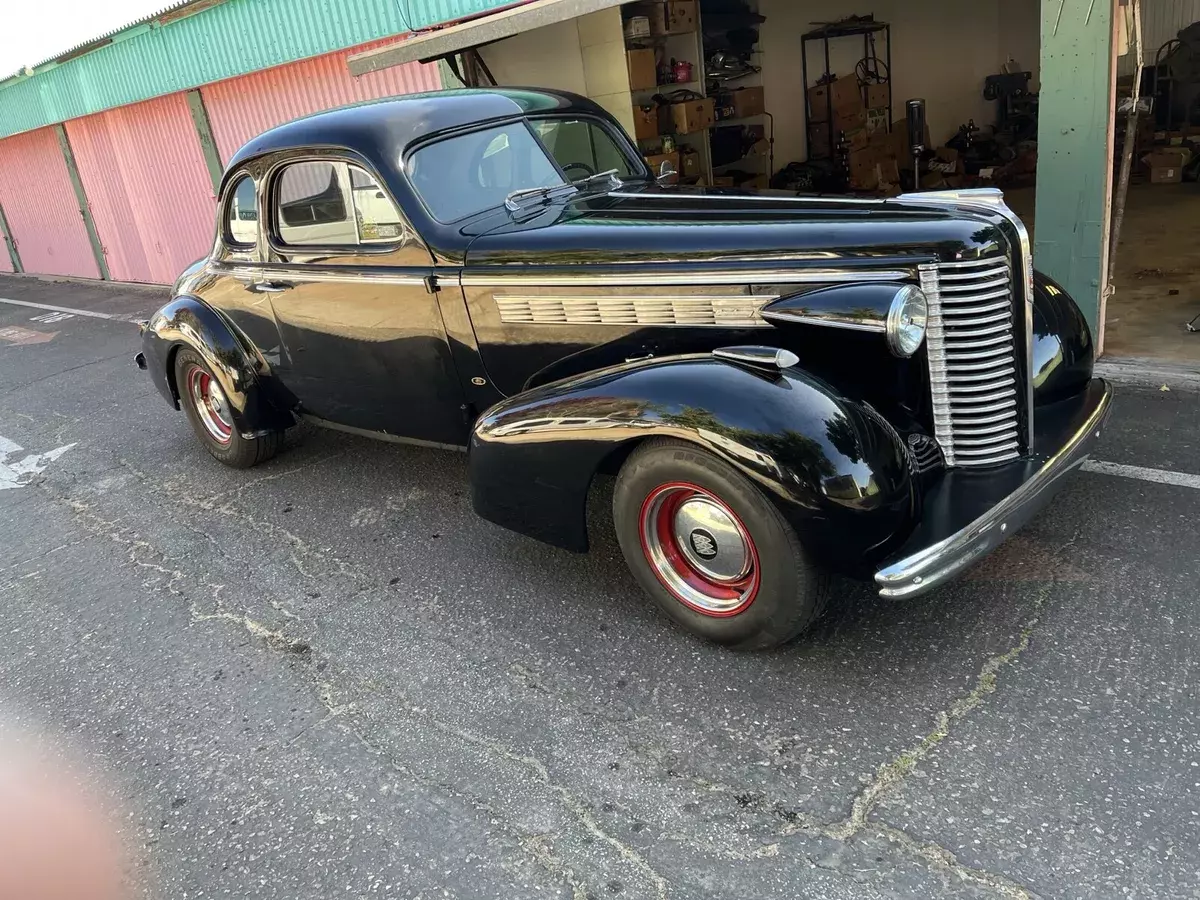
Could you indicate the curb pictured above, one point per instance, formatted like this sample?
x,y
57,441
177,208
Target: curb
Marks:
x,y
90,282
1150,372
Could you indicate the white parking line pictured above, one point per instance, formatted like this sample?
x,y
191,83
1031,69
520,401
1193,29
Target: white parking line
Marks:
x,y
67,309
1158,476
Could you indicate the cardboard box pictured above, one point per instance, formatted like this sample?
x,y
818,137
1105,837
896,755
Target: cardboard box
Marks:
x,y
845,94
690,167
889,174
864,169
748,102
643,73
946,161
655,161
877,121
637,27
645,122
681,16
1162,175
692,115
722,181
1168,158
857,138
878,96
669,16
818,133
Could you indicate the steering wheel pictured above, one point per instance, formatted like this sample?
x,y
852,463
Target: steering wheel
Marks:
x,y
588,171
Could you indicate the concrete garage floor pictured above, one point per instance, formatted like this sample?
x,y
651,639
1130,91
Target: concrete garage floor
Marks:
x,y
1159,254
327,678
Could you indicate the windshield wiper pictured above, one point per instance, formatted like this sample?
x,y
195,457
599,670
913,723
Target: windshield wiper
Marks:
x,y
513,201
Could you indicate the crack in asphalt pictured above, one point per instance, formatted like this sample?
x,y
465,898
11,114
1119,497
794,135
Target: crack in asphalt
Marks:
x,y
891,775
888,777
138,550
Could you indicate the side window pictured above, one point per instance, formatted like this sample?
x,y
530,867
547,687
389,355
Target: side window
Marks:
x,y
333,204
242,221
311,206
379,222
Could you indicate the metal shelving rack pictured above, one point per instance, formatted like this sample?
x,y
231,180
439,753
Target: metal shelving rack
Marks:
x,y
825,34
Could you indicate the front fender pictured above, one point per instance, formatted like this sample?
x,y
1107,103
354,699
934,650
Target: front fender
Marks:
x,y
188,321
834,468
1063,351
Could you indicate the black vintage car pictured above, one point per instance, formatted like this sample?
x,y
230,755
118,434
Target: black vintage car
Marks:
x,y
785,388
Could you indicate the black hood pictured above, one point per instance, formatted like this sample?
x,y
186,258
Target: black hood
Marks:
x,y
647,223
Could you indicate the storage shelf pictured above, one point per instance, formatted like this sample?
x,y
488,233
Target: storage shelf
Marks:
x,y
672,86
848,30
736,120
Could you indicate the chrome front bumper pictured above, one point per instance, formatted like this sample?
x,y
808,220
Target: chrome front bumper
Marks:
x,y
941,560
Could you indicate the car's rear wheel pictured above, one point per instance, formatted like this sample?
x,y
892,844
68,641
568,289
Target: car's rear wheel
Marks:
x,y
207,407
712,550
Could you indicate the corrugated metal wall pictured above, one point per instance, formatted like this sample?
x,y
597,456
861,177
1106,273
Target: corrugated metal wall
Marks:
x,y
1162,20
147,185
5,260
40,205
242,107
230,39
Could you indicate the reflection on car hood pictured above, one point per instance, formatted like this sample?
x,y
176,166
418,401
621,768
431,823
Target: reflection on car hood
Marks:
x,y
648,223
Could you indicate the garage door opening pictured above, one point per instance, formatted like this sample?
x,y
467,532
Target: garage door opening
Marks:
x,y
1154,309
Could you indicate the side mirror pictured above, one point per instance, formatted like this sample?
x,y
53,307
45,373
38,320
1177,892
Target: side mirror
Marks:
x,y
666,170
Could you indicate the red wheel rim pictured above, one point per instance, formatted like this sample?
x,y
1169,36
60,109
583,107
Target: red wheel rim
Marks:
x,y
699,549
210,403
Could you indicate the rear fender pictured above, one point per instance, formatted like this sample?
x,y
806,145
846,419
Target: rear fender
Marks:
x,y
188,321
834,468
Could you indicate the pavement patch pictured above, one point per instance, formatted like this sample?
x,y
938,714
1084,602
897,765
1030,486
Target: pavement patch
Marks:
x,y
15,334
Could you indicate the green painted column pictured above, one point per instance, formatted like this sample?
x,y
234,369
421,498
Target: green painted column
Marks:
x,y
208,143
1074,169
10,242
81,198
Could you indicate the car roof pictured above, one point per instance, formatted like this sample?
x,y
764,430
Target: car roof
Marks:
x,y
389,126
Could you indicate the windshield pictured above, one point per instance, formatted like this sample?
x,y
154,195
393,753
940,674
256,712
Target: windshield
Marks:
x,y
472,172
581,148
469,173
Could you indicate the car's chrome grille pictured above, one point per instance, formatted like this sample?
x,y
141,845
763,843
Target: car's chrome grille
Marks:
x,y
973,361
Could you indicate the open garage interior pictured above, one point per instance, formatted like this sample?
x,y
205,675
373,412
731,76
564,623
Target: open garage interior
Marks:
x,y
811,97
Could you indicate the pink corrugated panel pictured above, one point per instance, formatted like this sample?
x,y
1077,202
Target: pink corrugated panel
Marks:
x,y
147,185
240,108
5,260
40,205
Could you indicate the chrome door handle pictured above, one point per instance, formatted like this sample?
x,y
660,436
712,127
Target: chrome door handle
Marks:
x,y
269,287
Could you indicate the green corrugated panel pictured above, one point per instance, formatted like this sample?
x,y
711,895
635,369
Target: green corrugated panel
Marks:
x,y
236,37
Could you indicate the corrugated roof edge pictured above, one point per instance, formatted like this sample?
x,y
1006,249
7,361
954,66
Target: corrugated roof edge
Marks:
x,y
107,37
192,43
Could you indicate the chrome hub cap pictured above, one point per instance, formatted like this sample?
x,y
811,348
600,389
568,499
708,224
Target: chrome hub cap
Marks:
x,y
711,540
699,549
211,405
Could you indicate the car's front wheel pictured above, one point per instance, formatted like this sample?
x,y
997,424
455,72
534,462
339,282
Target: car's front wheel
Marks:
x,y
712,550
207,407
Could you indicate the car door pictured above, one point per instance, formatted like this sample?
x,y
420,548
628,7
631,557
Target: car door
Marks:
x,y
350,283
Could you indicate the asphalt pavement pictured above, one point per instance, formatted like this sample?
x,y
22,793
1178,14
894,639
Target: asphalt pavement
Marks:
x,y
326,678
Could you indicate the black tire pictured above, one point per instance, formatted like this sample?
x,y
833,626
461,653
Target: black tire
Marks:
x,y
233,450
791,591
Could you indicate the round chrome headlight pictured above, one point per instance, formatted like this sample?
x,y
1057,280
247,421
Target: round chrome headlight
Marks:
x,y
906,321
